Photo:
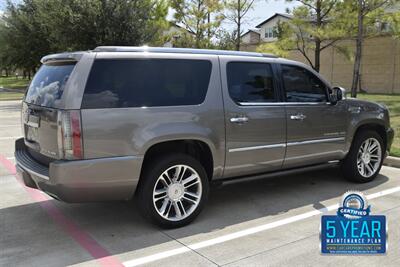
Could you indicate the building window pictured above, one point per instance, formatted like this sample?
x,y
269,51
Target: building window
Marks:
x,y
270,33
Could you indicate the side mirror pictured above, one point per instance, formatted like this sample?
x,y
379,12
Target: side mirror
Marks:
x,y
337,94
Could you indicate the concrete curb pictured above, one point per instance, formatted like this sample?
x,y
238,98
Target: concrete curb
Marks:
x,y
392,162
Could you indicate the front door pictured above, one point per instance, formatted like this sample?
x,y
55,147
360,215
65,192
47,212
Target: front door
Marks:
x,y
255,125
316,129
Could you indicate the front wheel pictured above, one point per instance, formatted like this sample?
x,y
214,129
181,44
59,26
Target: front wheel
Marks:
x,y
365,157
173,190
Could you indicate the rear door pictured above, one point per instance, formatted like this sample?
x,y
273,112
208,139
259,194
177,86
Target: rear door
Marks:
x,y
39,110
316,129
255,122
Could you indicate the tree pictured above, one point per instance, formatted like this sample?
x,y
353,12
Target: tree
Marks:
x,y
84,24
6,64
236,11
200,17
225,40
315,26
24,36
393,19
366,13
34,28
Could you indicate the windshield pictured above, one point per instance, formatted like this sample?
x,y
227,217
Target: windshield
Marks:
x,y
48,84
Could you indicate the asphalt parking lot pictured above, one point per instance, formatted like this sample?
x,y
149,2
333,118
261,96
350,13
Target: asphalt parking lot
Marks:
x,y
271,222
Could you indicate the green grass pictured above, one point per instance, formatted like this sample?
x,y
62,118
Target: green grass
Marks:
x,y
11,96
12,82
393,103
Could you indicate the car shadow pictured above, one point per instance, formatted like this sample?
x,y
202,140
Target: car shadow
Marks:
x,y
119,227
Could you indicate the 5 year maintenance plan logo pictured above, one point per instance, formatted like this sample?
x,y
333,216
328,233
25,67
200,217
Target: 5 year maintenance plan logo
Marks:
x,y
353,230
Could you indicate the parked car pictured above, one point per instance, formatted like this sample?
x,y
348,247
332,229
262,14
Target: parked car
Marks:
x,y
161,124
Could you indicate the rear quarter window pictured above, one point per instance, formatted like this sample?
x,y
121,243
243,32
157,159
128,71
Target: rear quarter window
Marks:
x,y
119,83
47,87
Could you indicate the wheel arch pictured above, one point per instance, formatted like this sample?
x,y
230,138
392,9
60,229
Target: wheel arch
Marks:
x,y
372,126
196,148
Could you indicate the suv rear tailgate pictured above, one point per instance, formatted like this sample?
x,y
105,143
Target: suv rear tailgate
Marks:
x,y
40,132
40,110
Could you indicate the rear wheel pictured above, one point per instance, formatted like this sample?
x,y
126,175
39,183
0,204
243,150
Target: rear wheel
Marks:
x,y
173,190
365,157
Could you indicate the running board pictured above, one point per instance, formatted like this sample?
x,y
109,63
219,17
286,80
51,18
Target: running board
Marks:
x,y
238,179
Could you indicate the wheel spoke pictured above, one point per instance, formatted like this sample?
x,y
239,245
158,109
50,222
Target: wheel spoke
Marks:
x,y
180,172
165,179
180,205
370,170
375,158
177,210
373,147
193,195
190,179
366,145
160,194
164,206
189,199
362,168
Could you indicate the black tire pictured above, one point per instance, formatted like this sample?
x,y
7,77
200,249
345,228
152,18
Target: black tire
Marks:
x,y
349,165
152,172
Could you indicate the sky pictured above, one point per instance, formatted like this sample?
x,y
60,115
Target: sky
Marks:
x,y
262,10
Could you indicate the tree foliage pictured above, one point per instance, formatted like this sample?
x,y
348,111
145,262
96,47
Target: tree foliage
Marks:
x,y
315,26
201,18
34,28
393,20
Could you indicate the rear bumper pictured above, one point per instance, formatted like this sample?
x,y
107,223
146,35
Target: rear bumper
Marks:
x,y
104,179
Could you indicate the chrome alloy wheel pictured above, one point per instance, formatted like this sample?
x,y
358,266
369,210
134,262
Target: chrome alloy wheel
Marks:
x,y
177,192
369,157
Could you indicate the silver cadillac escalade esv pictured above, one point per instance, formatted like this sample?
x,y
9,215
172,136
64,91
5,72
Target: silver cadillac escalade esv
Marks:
x,y
161,124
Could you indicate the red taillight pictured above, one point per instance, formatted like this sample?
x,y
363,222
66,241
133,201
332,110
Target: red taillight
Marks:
x,y
76,134
70,134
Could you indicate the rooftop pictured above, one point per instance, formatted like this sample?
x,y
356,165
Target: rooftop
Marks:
x,y
273,16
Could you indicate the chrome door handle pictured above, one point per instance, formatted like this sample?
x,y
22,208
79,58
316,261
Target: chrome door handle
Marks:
x,y
239,119
298,117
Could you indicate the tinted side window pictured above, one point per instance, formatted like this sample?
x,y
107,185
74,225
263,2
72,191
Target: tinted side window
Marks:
x,y
118,83
302,86
250,82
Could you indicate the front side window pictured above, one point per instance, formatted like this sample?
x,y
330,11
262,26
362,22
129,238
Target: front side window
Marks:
x,y
250,82
302,86
119,83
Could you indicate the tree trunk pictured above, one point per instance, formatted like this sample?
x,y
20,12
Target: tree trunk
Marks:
x,y
238,27
317,60
317,54
358,56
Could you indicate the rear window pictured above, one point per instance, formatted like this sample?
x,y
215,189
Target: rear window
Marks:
x,y
119,83
48,84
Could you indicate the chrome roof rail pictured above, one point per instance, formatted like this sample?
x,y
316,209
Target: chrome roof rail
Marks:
x,y
179,50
